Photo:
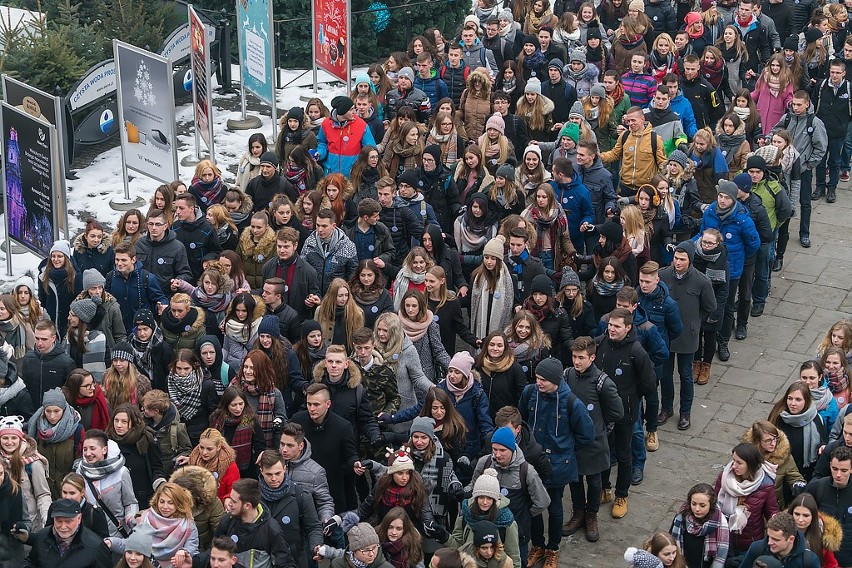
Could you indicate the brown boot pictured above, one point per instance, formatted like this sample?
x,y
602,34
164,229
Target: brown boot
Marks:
x,y
536,554
551,558
592,532
703,376
696,369
574,523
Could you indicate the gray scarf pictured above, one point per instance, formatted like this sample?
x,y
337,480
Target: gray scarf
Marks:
x,y
96,471
10,392
810,435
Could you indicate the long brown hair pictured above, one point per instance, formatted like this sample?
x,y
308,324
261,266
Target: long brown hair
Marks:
x,y
781,405
232,393
813,535
70,274
412,542
659,541
353,315
454,428
414,491
263,372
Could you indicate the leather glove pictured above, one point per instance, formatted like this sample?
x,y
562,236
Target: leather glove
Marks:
x,y
384,419
683,148
623,200
456,491
330,525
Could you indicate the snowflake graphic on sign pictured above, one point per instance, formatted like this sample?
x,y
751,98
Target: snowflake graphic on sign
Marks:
x,y
143,90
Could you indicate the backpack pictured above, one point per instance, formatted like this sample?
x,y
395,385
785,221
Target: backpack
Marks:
x,y
465,72
809,127
654,137
848,96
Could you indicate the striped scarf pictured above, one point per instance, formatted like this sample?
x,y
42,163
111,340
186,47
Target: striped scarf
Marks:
x,y
185,393
714,530
242,440
265,408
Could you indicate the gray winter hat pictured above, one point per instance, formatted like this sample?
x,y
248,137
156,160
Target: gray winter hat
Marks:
x,y
550,369
729,188
406,72
91,277
54,397
361,536
577,110
569,278
577,55
679,158
424,425
506,171
84,309
598,90
141,540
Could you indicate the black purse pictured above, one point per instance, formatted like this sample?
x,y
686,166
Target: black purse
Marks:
x,y
122,528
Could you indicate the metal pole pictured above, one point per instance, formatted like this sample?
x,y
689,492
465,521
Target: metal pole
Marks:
x,y
195,80
225,53
240,48
314,44
274,77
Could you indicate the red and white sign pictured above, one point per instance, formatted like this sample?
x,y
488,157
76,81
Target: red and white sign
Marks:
x,y
331,32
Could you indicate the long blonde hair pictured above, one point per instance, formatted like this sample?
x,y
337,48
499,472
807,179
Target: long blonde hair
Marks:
x,y
706,134
391,348
220,216
604,109
352,313
634,224
533,112
502,142
537,339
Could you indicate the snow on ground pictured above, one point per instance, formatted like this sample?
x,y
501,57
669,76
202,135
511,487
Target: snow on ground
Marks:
x,y
100,182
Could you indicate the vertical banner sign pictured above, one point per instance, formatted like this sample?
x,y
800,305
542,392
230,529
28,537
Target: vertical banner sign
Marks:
x,y
29,145
146,112
47,108
331,41
199,56
254,19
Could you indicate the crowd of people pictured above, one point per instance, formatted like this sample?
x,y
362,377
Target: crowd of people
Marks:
x,y
417,317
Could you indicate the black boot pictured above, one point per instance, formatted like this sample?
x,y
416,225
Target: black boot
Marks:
x,y
831,195
778,264
818,192
724,353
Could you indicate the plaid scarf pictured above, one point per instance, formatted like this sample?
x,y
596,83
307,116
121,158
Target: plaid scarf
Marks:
x,y
837,381
714,530
553,225
242,440
265,407
396,496
395,553
185,392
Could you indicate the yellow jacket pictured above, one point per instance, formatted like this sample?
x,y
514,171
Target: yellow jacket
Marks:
x,y
638,166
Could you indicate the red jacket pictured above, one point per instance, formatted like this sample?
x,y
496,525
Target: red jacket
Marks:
x,y
226,482
762,504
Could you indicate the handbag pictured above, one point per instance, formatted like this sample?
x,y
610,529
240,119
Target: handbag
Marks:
x,y
122,528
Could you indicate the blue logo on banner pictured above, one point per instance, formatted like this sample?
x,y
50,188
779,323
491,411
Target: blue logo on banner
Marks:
x,y
187,81
106,121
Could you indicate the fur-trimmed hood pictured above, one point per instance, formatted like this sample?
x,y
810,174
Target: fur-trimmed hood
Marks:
x,y
782,449
832,532
354,374
194,328
481,73
202,480
80,247
246,207
260,251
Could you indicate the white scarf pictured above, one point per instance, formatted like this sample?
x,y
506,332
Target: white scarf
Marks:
x,y
731,491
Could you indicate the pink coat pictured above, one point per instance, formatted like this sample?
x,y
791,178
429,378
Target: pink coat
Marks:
x,y
770,108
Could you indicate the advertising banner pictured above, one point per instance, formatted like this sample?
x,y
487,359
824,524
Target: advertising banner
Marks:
x,y
146,112
199,48
47,108
254,28
331,29
28,179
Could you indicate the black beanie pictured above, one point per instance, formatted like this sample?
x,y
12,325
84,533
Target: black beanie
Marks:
x,y
308,326
541,284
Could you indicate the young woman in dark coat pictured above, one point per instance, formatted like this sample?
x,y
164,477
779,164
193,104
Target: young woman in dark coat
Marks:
x,y
502,377
553,319
573,301
447,311
141,452
443,256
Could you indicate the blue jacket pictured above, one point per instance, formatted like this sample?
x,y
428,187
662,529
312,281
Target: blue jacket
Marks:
x,y
576,200
663,312
646,333
739,233
683,108
561,423
425,214
434,87
133,293
473,407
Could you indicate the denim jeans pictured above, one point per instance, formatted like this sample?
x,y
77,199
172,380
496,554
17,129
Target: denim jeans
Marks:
x,y
762,270
637,444
687,390
546,257
832,159
846,154
805,203
556,516
586,494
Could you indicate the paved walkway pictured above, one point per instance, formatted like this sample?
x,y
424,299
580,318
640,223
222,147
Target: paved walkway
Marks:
x,y
810,294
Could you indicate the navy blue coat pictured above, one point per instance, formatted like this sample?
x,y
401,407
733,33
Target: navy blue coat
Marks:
x,y
473,407
133,293
577,203
561,424
739,232
57,299
663,312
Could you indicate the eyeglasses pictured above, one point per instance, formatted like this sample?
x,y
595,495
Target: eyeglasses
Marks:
x,y
369,550
769,440
88,385
153,224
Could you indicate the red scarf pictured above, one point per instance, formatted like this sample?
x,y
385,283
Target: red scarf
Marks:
x,y
617,94
396,496
265,407
100,410
242,440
